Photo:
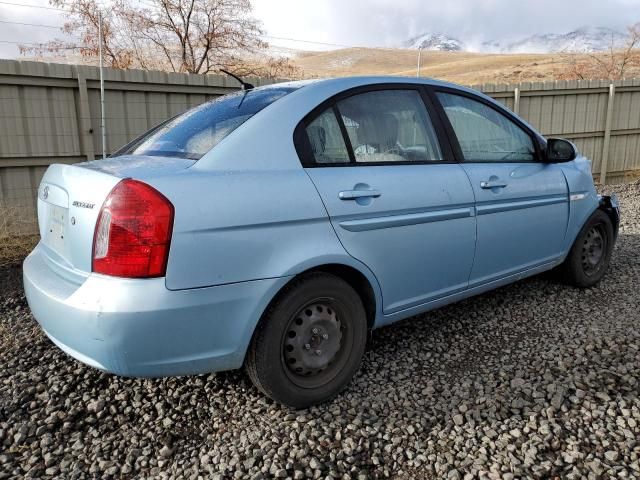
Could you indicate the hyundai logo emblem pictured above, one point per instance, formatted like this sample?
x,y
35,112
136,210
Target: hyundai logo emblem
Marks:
x,y
45,193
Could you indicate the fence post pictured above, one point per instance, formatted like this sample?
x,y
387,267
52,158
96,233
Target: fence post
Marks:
x,y
84,121
607,135
516,100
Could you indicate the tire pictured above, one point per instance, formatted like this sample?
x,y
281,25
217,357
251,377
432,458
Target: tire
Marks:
x,y
310,341
588,259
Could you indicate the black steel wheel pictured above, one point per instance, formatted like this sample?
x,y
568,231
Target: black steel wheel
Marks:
x,y
594,247
310,342
589,257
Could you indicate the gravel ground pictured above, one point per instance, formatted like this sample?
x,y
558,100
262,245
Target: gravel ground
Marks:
x,y
532,380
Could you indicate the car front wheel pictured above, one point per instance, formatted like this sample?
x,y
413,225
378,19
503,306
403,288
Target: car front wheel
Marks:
x,y
310,342
589,257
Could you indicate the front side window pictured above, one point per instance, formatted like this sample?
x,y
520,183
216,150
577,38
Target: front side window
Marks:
x,y
484,134
195,132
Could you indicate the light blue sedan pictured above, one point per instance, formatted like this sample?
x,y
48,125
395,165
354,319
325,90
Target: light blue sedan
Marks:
x,y
276,227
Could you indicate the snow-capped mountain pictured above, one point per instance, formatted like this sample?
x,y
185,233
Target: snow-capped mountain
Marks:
x,y
435,41
585,39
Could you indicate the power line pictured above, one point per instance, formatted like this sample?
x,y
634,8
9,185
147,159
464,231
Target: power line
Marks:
x,y
311,41
43,44
341,45
288,39
31,24
31,6
17,43
269,37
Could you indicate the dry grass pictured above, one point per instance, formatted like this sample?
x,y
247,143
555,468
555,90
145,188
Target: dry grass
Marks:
x,y
16,235
459,67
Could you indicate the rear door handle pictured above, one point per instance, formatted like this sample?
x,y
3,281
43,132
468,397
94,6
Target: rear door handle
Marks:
x,y
355,194
492,184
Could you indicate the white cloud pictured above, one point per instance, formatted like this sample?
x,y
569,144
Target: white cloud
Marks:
x,y
381,22
390,22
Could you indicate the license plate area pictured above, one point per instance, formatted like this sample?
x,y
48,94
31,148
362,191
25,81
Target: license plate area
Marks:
x,y
55,228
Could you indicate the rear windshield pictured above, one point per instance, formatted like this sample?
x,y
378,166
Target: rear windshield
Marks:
x,y
196,131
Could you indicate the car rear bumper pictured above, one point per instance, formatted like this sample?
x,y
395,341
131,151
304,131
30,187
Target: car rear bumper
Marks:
x,y
140,328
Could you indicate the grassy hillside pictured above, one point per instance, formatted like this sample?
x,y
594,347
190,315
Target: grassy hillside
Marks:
x,y
459,67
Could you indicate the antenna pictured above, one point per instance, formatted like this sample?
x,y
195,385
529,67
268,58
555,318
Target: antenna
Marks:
x,y
102,126
243,84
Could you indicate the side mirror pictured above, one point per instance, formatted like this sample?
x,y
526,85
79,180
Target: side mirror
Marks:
x,y
560,150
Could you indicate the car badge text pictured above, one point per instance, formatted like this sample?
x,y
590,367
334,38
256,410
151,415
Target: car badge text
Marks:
x,y
82,204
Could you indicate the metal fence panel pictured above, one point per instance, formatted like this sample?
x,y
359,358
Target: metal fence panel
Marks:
x,y
50,113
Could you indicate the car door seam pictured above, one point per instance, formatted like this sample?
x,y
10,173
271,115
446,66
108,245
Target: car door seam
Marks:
x,y
475,217
569,207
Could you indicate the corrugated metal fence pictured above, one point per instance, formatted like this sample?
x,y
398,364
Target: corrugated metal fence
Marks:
x,y
600,116
50,113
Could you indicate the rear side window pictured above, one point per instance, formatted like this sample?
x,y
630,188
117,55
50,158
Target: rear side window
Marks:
x,y
484,134
381,126
325,138
195,132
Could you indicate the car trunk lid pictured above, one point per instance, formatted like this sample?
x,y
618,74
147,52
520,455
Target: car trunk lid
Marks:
x,y
70,198
69,201
138,166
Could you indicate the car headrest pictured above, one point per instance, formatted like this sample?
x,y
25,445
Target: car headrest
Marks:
x,y
388,131
380,132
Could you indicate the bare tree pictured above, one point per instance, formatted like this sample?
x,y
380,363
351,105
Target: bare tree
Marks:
x,y
192,36
614,64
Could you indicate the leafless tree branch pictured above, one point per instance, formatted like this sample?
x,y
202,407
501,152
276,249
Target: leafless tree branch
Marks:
x,y
614,64
192,36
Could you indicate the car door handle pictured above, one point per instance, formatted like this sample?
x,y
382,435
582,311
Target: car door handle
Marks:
x,y
492,184
355,194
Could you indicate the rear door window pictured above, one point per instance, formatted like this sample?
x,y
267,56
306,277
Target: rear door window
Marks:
x,y
389,126
382,126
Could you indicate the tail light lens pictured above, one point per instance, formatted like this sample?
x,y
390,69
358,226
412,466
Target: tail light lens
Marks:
x,y
133,232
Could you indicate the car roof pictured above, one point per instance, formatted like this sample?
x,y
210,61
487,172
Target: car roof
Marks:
x,y
339,83
331,86
272,128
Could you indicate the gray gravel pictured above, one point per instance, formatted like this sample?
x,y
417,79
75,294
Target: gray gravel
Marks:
x,y
533,380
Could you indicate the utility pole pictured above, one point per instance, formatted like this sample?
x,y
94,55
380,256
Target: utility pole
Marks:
x,y
419,55
102,127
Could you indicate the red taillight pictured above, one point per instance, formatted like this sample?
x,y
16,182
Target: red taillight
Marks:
x,y
133,232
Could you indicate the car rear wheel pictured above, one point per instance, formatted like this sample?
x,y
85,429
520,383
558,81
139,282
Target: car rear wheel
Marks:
x,y
310,342
589,257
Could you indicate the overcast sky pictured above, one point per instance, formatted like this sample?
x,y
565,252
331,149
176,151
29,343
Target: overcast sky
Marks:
x,y
379,22
390,22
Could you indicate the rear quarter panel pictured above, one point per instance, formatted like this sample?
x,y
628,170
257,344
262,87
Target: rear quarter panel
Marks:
x,y
245,225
